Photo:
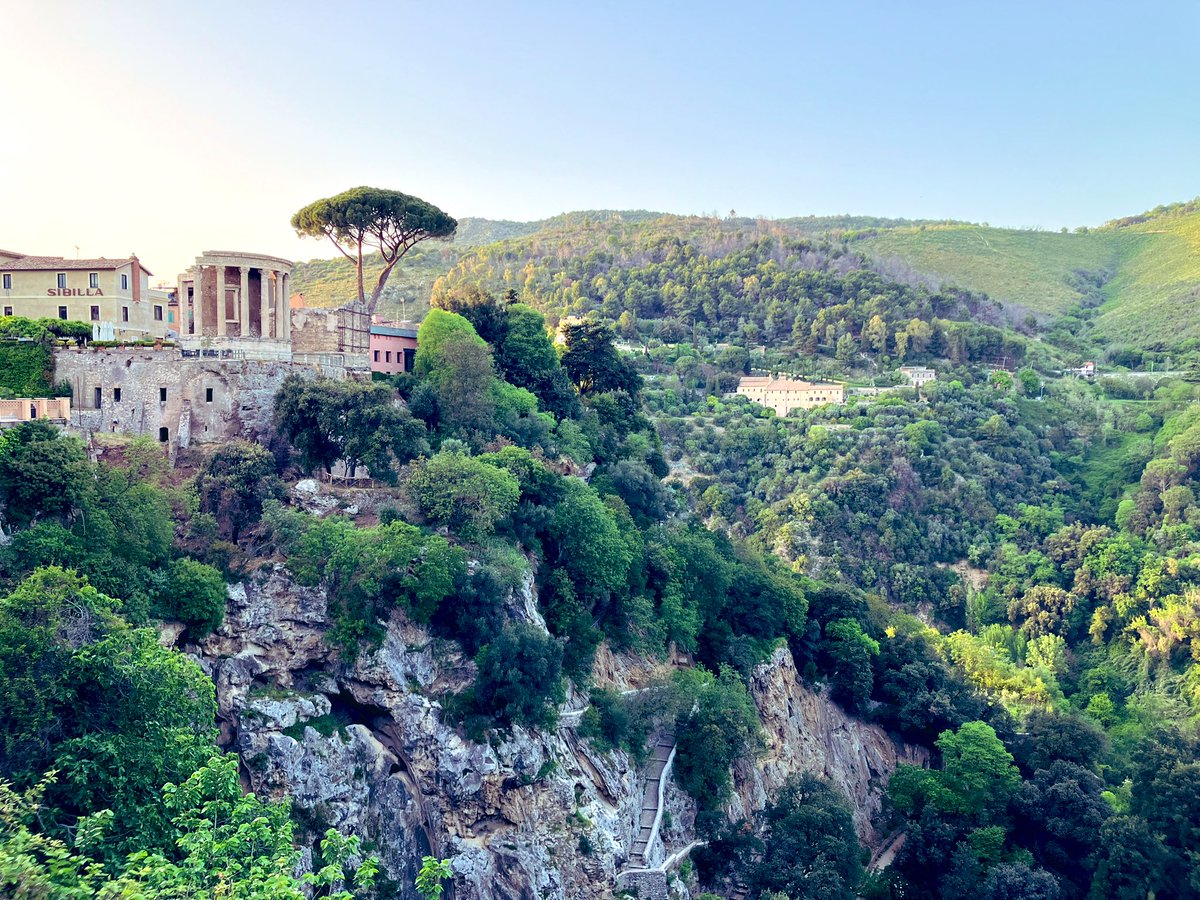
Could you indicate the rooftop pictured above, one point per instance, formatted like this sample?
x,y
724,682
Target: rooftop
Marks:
x,y
770,383
394,331
58,263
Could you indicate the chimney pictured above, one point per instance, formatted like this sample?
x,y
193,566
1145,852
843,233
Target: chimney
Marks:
x,y
137,278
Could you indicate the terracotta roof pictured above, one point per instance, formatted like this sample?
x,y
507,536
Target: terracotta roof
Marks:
x,y
786,384
57,263
10,254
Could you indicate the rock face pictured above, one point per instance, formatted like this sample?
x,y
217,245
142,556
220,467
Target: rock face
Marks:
x,y
365,746
807,732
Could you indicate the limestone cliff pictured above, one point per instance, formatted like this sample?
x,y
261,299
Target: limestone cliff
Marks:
x,y
365,747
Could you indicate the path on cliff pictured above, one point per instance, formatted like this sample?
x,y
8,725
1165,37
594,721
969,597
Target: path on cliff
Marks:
x,y
650,819
886,854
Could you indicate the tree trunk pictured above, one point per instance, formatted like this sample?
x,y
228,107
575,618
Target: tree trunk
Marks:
x,y
361,295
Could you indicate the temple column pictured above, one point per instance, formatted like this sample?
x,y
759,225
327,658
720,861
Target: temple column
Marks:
x,y
219,281
278,307
244,302
198,301
286,299
264,300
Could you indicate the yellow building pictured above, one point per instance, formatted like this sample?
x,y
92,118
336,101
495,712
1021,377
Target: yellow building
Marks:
x,y
785,394
105,292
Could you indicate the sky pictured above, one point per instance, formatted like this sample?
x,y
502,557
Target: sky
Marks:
x,y
168,128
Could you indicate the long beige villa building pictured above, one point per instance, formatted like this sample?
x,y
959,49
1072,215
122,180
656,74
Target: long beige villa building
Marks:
x,y
786,394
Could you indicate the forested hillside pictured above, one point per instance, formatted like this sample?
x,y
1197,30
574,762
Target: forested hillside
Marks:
x,y
576,545
1128,283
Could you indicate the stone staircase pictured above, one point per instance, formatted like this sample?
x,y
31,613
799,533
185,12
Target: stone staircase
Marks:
x,y
650,818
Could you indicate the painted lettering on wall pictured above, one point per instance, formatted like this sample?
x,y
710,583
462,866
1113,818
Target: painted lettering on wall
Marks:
x,y
74,292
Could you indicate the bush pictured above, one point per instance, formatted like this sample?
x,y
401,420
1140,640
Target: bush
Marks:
x,y
463,493
190,592
519,679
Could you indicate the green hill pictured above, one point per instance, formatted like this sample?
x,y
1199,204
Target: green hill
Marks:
x,y
330,282
1154,297
1143,271
1038,270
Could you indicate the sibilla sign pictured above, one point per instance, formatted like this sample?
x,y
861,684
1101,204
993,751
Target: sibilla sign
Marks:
x,y
74,292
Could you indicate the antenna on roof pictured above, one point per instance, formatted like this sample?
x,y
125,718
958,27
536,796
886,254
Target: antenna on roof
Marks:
x,y
77,251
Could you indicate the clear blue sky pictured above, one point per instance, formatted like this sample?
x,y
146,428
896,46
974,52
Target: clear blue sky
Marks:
x,y
171,127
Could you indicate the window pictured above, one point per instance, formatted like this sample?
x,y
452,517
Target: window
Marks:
x,y
62,312
116,395
62,281
7,282
93,280
164,435
124,313
376,356
208,395
95,314
124,282
99,398
158,314
162,395
388,354
8,310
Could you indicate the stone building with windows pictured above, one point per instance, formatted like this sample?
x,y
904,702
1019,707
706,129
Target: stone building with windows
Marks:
x,y
786,394
112,294
918,376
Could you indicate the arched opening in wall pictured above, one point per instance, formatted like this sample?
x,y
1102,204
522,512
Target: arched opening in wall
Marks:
x,y
164,434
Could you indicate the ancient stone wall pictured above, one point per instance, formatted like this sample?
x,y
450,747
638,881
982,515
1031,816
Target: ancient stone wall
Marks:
x,y
197,400
315,331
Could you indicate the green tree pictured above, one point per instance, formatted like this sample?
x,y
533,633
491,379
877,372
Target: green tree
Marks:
x,y
235,480
844,351
364,220
811,850
588,542
719,726
328,420
463,493
192,593
85,694
519,677
43,473
429,880
977,771
593,363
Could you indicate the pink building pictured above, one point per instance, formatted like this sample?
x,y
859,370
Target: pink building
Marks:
x,y
393,348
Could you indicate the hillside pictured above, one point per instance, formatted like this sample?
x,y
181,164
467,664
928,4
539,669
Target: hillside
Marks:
x,y
1035,269
330,282
1143,271
1155,294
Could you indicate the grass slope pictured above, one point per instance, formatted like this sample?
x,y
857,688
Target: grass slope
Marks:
x,y
1154,300
1030,268
1152,296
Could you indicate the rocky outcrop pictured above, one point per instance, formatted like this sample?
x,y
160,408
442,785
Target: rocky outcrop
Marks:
x,y
805,731
366,746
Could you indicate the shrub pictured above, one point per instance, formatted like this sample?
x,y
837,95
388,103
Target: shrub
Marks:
x,y
190,592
